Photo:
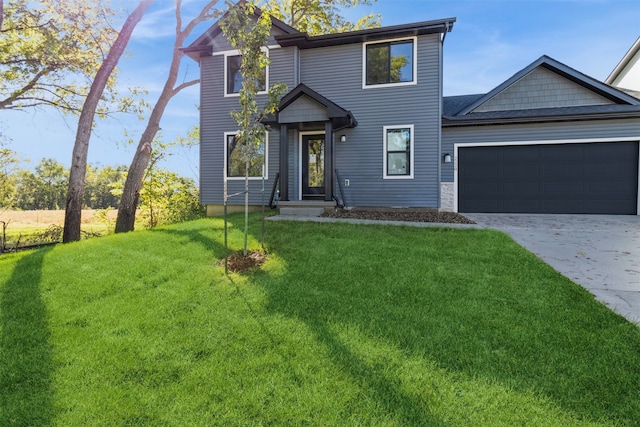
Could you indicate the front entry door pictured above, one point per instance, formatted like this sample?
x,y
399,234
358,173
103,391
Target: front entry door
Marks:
x,y
313,167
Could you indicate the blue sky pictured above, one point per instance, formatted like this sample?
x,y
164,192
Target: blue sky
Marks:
x,y
491,41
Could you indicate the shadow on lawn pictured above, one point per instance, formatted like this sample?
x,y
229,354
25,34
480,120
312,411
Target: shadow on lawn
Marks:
x,y
542,358
25,353
199,237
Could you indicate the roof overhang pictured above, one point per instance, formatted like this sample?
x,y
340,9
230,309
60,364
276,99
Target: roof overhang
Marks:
x,y
546,115
305,41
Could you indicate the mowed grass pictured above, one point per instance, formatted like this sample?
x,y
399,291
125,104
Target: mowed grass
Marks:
x,y
25,227
344,325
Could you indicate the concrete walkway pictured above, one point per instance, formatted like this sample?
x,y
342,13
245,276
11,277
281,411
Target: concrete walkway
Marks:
x,y
599,252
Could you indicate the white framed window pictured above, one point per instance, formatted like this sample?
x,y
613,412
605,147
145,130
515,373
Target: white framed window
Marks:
x,y
233,78
234,165
389,63
398,152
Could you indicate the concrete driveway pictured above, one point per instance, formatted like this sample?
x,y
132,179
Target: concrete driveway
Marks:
x,y
599,252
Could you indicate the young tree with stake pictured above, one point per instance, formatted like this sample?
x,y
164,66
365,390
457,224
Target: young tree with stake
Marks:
x,y
247,30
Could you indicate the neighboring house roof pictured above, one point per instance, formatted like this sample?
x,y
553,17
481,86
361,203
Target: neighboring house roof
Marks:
x,y
305,41
601,101
630,60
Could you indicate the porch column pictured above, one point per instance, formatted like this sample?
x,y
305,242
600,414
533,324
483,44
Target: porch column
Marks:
x,y
283,162
328,161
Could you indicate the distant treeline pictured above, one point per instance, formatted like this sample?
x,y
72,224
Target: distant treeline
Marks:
x,y
165,196
45,187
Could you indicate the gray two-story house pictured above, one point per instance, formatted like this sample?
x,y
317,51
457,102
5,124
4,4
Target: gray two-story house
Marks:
x,y
367,104
364,122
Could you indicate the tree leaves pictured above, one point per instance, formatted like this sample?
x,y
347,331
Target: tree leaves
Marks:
x,y
49,51
321,16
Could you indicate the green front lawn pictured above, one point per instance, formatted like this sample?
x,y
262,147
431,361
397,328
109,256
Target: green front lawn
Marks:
x,y
344,325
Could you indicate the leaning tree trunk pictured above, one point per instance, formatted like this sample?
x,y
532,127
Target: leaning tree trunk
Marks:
x,y
131,193
77,174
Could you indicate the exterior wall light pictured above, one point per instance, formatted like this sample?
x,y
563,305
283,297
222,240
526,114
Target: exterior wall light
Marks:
x,y
343,138
447,158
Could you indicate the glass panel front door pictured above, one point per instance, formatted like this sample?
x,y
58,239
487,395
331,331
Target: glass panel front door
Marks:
x,y
313,166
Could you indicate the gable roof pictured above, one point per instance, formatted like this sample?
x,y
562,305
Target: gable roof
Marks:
x,y
624,62
201,44
559,68
463,110
340,117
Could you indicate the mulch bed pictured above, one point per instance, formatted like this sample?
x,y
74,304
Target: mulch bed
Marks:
x,y
238,263
411,215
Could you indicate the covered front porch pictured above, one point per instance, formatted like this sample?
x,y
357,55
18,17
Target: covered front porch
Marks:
x,y
308,126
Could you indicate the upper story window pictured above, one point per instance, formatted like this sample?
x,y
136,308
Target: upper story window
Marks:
x,y
398,152
233,78
389,63
234,162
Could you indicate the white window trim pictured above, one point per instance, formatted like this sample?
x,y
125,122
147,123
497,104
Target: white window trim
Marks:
x,y
364,64
241,178
384,152
229,53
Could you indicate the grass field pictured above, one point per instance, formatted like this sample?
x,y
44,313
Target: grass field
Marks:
x,y
25,226
344,324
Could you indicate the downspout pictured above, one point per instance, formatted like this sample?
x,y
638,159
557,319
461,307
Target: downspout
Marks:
x,y
447,28
440,95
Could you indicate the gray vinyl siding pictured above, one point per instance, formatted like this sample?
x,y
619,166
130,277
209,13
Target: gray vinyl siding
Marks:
x,y
611,129
304,109
221,44
336,73
542,88
215,120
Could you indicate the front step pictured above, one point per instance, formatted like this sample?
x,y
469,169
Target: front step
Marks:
x,y
304,208
301,211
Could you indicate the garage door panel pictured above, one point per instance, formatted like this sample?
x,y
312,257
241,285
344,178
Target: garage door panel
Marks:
x,y
519,188
562,189
560,206
482,172
489,190
602,153
519,206
552,178
607,207
561,152
561,171
602,172
519,171
486,156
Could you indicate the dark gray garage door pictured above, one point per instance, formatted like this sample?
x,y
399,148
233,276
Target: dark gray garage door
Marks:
x,y
598,178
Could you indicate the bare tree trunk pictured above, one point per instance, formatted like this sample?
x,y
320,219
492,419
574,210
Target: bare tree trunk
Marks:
x,y
131,192
1,13
73,209
246,206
